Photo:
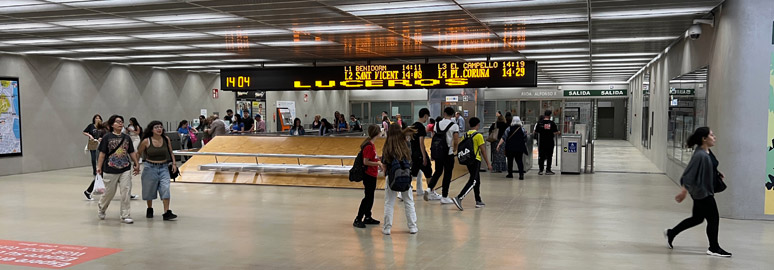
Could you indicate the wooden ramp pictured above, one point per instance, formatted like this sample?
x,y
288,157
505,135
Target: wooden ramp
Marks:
x,y
284,145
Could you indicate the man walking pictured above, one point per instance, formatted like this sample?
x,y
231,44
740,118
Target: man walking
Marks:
x,y
444,162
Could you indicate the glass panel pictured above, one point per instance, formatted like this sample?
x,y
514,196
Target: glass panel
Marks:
x,y
376,111
357,110
405,111
418,105
530,110
687,151
687,111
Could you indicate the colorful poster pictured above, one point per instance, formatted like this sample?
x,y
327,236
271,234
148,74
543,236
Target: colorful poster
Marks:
x,y
769,182
10,117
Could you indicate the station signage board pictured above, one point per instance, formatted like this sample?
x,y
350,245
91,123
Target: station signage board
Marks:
x,y
258,95
409,76
595,93
681,92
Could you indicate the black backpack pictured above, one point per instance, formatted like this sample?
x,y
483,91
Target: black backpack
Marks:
x,y
357,173
439,149
466,152
400,175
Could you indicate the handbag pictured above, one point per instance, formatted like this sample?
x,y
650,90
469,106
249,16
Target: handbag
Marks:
x,y
92,145
493,134
172,174
193,136
718,184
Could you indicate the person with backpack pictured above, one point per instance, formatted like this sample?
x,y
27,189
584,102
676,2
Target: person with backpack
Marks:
x,y
372,167
420,159
514,139
396,156
471,150
442,149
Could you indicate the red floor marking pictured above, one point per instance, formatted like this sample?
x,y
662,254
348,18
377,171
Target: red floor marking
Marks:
x,y
52,256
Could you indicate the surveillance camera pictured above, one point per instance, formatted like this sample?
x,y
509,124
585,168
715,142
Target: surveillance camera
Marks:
x,y
694,32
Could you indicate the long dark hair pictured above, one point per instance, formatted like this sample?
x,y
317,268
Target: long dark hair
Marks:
x,y
112,120
182,123
94,119
297,120
395,147
697,138
326,123
373,131
149,130
133,122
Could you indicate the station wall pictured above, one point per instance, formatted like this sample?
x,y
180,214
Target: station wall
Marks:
x,y
59,98
738,50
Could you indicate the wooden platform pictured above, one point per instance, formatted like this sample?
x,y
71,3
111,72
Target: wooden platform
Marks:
x,y
284,145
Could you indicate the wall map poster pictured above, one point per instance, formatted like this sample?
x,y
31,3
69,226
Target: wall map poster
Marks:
x,y
10,117
769,182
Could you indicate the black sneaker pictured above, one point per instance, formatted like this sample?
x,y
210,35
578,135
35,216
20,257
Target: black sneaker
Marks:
x,y
168,215
149,213
457,202
521,177
718,252
370,221
358,224
133,197
509,176
540,173
88,195
669,238
549,173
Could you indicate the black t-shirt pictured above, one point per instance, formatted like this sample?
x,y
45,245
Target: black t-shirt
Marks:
x,y
546,130
416,150
96,133
248,123
120,161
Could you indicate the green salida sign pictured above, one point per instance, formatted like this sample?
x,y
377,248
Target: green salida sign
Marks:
x,y
595,93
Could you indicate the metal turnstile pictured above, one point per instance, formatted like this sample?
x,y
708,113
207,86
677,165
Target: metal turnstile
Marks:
x,y
571,153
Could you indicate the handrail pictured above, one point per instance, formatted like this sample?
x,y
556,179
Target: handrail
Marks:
x,y
186,153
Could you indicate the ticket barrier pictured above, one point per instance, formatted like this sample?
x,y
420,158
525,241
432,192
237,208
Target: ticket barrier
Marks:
x,y
571,154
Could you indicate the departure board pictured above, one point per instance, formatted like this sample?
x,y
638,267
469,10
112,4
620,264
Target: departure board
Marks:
x,y
408,76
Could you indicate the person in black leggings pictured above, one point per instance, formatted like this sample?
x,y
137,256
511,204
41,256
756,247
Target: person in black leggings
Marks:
x,y
372,164
699,180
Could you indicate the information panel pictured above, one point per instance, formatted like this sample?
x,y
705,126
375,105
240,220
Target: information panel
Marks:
x,y
408,76
10,117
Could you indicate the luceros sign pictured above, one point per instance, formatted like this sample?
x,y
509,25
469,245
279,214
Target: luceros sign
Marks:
x,y
595,93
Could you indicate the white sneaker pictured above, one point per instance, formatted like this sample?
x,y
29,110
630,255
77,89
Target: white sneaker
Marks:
x,y
127,220
101,215
413,230
400,197
446,200
433,196
386,231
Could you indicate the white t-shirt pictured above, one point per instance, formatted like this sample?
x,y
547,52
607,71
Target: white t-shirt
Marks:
x,y
449,134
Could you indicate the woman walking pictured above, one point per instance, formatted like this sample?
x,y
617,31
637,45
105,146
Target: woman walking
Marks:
x,y
515,148
116,154
95,131
134,130
156,149
397,148
372,164
498,157
700,179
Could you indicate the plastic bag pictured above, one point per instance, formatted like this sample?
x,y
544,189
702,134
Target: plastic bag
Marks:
x,y
99,186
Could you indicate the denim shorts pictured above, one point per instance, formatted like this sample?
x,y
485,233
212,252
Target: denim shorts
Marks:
x,y
155,179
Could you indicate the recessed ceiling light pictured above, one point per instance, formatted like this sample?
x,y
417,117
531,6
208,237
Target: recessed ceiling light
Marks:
x,y
557,50
97,38
162,48
404,7
147,56
621,59
496,58
563,61
35,41
107,3
538,19
47,52
546,32
245,60
469,46
619,64
338,29
188,67
171,36
197,61
28,27
101,23
632,39
198,18
221,45
649,13
151,63
455,36
549,42
104,58
207,54
556,56
298,43
249,32
101,50
281,65
490,4
231,66
623,54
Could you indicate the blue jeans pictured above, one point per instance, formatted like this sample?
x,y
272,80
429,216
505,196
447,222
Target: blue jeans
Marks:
x,y
155,180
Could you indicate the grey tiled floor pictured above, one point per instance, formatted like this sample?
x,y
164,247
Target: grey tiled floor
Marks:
x,y
599,221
